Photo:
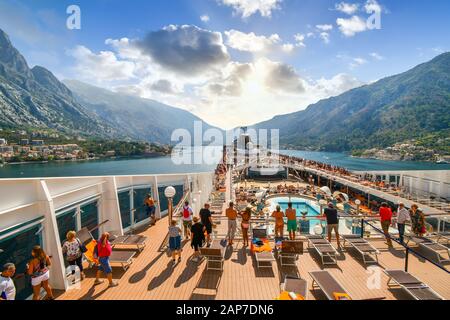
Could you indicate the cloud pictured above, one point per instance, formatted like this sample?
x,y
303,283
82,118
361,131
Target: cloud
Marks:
x,y
103,66
350,27
247,8
164,86
356,62
372,6
204,18
299,40
187,49
348,8
376,56
222,91
325,36
250,42
230,83
324,27
281,77
338,84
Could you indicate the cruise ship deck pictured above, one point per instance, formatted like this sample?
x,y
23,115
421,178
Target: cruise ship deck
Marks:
x,y
41,211
152,276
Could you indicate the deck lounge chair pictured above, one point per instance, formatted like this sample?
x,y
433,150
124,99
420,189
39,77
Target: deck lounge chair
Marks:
x,y
328,284
264,259
443,237
120,258
435,248
296,285
416,288
136,241
215,256
324,249
289,252
363,247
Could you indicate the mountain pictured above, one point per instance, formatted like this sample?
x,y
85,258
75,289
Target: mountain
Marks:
x,y
411,105
139,118
36,98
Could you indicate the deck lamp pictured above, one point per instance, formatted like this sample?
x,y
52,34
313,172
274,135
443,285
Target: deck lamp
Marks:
x,y
170,192
322,204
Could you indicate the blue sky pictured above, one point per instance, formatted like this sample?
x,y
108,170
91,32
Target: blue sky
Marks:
x,y
259,69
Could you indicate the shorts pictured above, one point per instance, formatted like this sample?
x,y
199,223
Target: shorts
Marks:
x,y
292,225
208,228
175,243
197,245
104,265
150,210
37,281
187,224
332,227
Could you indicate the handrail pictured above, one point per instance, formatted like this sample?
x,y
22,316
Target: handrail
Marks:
x,y
408,249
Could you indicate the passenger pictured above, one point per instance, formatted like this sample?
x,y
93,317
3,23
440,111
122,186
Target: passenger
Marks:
x,y
38,269
187,219
332,217
197,238
417,221
231,214
72,249
386,221
206,218
104,251
402,217
150,208
175,241
279,222
7,287
245,224
291,215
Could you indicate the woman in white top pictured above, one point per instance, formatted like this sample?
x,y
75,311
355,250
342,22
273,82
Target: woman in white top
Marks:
x,y
72,250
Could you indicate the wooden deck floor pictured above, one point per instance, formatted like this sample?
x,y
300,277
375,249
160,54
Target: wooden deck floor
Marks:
x,y
152,276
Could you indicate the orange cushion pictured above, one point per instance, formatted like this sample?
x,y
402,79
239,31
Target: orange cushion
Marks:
x,y
89,254
264,248
285,296
341,296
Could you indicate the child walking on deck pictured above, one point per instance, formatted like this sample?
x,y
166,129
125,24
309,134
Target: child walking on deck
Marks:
x,y
175,241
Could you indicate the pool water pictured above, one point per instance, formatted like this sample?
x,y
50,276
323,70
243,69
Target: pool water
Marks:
x,y
300,207
312,208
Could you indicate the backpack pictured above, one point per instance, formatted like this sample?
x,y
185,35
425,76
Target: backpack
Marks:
x,y
83,248
186,213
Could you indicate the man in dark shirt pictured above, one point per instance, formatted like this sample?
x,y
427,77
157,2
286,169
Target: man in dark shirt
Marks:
x,y
206,218
332,222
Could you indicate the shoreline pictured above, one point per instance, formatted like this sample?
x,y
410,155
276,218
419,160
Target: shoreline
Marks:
x,y
85,160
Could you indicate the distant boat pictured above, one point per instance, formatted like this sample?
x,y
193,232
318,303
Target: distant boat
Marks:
x,y
442,162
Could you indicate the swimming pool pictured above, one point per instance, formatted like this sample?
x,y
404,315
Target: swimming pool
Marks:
x,y
310,225
299,204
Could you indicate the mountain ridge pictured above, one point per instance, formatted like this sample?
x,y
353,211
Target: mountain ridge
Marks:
x,y
411,104
149,118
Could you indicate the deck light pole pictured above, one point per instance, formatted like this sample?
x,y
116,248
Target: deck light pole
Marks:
x,y
322,204
170,192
